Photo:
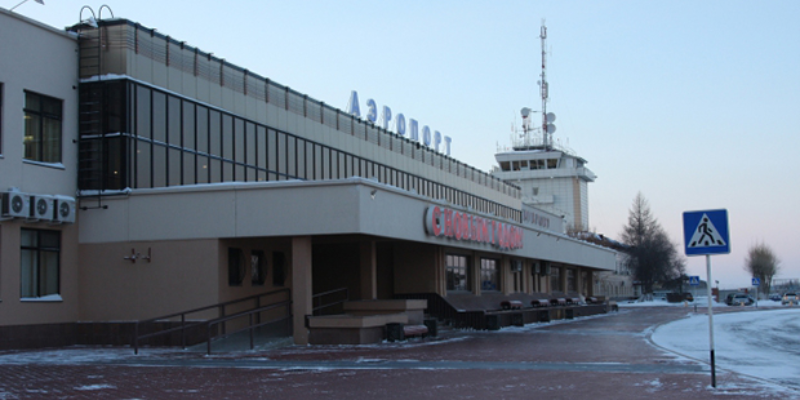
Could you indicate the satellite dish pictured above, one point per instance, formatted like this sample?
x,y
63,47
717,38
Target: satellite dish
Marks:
x,y
525,112
551,128
551,118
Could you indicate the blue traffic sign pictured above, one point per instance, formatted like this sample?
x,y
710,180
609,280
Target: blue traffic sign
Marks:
x,y
756,281
706,232
694,280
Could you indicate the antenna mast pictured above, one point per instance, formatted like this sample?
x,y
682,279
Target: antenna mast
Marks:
x,y
543,89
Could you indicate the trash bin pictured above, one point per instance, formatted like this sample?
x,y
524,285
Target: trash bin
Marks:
x,y
493,322
430,323
394,331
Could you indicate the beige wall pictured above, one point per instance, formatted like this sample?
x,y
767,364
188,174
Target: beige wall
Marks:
x,y
37,72
181,275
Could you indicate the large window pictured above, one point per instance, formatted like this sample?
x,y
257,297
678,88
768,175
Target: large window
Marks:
x,y
167,140
42,140
572,284
39,273
555,279
490,279
457,270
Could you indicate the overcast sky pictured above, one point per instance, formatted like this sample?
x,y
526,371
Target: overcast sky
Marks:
x,y
692,103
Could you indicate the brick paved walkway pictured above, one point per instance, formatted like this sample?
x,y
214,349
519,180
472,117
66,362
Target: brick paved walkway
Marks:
x,y
607,357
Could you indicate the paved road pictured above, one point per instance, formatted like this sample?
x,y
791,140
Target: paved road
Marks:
x,y
605,357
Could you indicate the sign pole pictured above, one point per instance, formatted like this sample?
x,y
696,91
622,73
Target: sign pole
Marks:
x,y
706,232
710,323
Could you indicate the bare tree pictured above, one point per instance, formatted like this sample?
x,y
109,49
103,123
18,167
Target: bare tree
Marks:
x,y
762,263
653,257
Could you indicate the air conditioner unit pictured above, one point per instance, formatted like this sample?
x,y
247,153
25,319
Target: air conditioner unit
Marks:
x,y
64,209
41,207
15,204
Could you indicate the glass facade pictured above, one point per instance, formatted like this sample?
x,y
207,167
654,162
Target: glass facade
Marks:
x,y
42,140
40,263
457,271
490,275
150,138
555,279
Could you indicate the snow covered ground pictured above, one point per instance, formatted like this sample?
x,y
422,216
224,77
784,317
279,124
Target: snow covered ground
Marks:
x,y
763,342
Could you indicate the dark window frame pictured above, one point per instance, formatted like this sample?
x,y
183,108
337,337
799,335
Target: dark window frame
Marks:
x,y
490,268
38,249
457,265
38,110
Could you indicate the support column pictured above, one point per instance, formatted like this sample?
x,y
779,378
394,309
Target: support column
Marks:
x,y
475,272
506,280
302,293
368,262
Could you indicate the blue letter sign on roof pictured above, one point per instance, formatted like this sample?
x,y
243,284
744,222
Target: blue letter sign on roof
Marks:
x,y
706,232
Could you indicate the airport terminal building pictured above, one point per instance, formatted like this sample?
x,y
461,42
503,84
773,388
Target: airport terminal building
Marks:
x,y
142,177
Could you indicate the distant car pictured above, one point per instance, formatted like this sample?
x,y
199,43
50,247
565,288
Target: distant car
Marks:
x,y
775,297
739,299
790,297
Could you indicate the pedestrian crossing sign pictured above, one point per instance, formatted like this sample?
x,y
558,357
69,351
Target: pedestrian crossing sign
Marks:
x,y
706,232
694,280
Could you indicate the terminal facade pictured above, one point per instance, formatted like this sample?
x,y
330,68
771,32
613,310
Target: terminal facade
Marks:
x,y
143,177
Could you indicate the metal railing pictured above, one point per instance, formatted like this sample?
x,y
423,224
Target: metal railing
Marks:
x,y
251,326
317,303
220,319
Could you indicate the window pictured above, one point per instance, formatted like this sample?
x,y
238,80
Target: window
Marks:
x,y
235,266
489,275
457,271
40,255
258,268
555,279
42,140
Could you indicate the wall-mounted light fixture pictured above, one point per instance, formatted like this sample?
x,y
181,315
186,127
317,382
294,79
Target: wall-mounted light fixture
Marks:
x,y
135,256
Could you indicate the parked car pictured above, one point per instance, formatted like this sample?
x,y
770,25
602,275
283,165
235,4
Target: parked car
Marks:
x,y
790,297
775,297
739,299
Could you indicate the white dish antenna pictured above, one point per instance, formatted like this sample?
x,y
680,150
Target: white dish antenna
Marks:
x,y
551,129
551,118
525,112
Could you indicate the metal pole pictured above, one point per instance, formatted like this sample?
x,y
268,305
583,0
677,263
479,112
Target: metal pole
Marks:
x,y
711,323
